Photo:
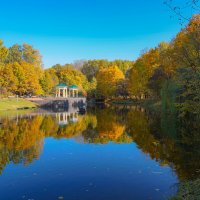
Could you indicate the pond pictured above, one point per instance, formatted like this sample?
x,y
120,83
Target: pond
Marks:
x,y
114,153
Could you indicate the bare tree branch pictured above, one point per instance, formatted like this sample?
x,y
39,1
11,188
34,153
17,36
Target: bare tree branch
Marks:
x,y
179,10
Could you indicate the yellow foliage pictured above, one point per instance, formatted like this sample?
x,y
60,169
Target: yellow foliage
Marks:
x,y
107,79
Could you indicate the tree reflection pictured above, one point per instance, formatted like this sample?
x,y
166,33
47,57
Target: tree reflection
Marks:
x,y
21,140
178,147
109,128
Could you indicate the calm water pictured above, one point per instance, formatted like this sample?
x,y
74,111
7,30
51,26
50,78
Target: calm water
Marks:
x,y
111,154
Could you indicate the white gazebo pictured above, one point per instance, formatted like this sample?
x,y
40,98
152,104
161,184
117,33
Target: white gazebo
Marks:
x,y
64,91
73,91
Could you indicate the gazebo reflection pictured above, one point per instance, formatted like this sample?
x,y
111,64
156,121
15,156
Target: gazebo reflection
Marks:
x,y
65,118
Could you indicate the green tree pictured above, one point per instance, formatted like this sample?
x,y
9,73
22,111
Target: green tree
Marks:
x,y
15,54
91,68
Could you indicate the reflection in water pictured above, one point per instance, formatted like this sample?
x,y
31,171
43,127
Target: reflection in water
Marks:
x,y
176,145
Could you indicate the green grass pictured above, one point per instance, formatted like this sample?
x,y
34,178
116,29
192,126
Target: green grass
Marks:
x,y
14,104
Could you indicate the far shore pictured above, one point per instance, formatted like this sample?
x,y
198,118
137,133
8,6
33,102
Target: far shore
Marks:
x,y
150,104
22,104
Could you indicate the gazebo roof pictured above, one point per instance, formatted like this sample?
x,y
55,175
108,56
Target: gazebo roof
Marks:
x,y
61,85
73,87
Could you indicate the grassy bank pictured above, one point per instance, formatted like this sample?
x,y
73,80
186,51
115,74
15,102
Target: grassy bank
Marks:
x,y
15,104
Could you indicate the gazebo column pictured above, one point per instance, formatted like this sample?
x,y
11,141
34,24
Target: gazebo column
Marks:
x,y
63,93
73,93
59,92
66,94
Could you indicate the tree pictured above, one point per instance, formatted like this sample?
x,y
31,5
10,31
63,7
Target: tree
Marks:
x,y
122,88
107,80
186,47
49,81
15,54
123,65
27,78
78,64
92,85
32,56
91,68
3,52
141,72
8,81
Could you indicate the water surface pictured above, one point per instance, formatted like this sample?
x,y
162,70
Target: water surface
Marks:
x,y
110,153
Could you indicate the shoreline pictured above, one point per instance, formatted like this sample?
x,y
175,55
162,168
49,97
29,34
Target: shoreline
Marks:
x,y
25,104
152,105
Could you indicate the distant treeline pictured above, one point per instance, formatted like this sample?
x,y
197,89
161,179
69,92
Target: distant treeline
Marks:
x,y
22,72
169,73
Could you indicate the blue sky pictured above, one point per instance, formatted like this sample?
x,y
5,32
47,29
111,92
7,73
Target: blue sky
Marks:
x,y
68,30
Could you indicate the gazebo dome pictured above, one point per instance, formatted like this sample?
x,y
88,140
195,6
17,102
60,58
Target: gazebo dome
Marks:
x,y
73,87
61,85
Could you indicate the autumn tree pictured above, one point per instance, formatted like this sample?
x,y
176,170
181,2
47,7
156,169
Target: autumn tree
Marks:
x,y
8,81
123,65
107,80
49,81
27,78
186,55
3,52
141,72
